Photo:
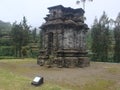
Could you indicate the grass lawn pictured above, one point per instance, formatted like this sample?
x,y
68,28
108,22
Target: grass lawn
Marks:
x,y
12,78
17,74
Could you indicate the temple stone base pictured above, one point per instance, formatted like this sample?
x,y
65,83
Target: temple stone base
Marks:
x,y
64,59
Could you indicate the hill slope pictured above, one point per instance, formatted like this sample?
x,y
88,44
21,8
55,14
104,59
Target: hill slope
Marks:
x,y
5,25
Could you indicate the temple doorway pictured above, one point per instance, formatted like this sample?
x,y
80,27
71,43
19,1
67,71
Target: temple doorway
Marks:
x,y
50,43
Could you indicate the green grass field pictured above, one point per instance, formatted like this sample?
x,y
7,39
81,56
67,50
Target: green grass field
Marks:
x,y
17,74
12,78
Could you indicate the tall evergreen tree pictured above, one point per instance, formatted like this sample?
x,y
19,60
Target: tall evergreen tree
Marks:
x,y
117,39
20,36
17,38
34,34
94,37
105,34
100,39
26,30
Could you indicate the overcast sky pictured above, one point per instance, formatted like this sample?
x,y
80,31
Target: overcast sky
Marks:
x,y
36,10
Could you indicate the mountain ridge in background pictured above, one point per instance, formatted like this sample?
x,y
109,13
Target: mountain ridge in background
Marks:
x,y
5,26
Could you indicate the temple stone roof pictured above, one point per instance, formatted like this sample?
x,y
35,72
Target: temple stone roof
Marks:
x,y
59,15
68,9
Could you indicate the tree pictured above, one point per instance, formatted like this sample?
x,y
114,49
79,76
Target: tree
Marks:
x,y
20,36
0,32
17,38
105,34
117,39
34,34
26,30
101,40
83,1
95,34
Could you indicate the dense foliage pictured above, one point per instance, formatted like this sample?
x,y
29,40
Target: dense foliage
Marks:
x,y
100,39
20,36
117,39
18,40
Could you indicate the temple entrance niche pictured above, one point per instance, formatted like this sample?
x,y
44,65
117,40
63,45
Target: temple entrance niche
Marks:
x,y
50,43
64,38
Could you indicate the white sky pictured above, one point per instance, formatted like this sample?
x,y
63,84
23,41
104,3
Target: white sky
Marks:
x,y
36,10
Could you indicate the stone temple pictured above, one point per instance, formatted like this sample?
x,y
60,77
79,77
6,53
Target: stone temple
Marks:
x,y
63,38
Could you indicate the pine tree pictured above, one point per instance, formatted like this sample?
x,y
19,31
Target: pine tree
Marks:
x,y
100,39
34,35
26,31
20,36
104,22
117,39
17,38
95,41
